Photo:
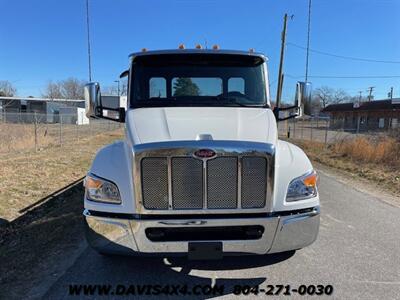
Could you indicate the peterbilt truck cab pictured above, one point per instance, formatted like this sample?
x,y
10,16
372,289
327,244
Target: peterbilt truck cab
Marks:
x,y
201,171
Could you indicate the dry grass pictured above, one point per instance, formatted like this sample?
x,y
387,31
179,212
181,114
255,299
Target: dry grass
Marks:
x,y
16,137
34,243
382,150
376,159
23,137
29,176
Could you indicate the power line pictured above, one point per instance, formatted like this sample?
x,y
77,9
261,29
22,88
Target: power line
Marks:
x,y
343,56
346,77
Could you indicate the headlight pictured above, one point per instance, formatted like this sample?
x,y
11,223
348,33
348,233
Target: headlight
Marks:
x,y
303,187
101,190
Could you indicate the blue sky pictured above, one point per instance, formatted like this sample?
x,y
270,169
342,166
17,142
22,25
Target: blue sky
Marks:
x,y
46,40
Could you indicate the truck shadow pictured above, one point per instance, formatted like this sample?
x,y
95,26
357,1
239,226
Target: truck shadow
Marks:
x,y
202,279
44,241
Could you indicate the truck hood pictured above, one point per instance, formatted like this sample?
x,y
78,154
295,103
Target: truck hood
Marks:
x,y
147,125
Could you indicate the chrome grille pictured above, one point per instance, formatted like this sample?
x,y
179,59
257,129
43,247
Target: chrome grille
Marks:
x,y
187,183
168,177
254,177
222,179
155,183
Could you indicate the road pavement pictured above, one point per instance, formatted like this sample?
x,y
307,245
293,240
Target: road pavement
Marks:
x,y
357,252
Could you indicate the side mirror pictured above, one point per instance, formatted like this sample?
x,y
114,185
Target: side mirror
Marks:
x,y
93,100
94,105
303,95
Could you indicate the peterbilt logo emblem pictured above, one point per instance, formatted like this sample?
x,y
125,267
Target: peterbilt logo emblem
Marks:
x,y
205,153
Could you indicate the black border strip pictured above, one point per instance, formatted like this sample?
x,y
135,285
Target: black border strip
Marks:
x,y
197,216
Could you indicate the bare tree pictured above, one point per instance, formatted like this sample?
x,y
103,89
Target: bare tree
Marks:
x,y
326,95
113,89
109,90
53,91
70,88
7,89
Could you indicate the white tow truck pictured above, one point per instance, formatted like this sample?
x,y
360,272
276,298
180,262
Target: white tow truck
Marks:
x,y
201,171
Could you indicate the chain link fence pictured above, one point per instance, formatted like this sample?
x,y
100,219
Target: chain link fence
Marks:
x,y
321,129
34,131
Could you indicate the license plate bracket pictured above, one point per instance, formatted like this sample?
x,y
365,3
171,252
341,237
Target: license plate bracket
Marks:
x,y
205,250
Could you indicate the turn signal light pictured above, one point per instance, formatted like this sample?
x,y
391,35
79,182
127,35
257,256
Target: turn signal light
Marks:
x,y
311,180
91,183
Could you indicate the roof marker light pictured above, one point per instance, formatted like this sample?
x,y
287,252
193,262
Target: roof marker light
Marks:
x,y
215,47
198,46
144,49
251,50
181,46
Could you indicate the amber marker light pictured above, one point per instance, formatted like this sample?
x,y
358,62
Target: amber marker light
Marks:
x,y
181,46
91,183
311,180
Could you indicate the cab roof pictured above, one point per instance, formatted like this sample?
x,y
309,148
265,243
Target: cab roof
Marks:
x,y
197,51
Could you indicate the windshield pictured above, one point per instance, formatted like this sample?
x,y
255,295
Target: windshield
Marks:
x,y
198,80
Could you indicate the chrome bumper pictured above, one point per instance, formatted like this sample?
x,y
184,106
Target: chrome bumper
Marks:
x,y
127,235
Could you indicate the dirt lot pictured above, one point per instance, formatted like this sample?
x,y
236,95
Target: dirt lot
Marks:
x,y
40,209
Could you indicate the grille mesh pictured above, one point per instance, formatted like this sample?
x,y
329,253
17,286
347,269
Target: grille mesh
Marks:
x,y
254,180
222,182
155,183
187,180
187,183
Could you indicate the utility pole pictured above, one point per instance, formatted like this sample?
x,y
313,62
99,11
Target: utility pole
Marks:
x,y
371,88
118,86
88,40
390,94
308,38
280,74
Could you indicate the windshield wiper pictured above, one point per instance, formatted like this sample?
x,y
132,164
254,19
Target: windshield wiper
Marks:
x,y
230,100
236,101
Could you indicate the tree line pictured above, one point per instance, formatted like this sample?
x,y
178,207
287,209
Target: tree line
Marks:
x,y
70,88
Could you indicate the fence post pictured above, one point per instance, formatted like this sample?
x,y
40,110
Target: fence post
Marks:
x,y
76,130
294,128
60,129
35,123
311,135
326,132
302,129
